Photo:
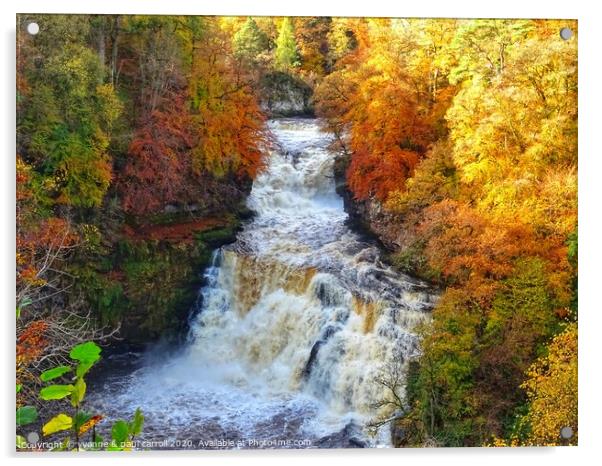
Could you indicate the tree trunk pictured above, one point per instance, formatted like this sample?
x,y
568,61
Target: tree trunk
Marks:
x,y
102,50
114,50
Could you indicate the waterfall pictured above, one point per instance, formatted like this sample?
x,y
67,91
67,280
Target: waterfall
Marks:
x,y
297,323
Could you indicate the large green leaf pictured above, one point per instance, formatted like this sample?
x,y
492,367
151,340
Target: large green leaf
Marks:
x,y
56,392
51,374
26,415
57,423
137,423
88,352
120,431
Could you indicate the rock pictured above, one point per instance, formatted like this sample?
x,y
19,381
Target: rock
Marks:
x,y
349,437
367,217
285,95
330,331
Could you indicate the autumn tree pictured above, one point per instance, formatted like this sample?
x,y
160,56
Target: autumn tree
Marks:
x,y
66,118
552,391
386,141
225,112
517,154
159,167
341,39
312,37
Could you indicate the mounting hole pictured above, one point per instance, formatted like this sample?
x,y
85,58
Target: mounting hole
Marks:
x,y
566,33
33,28
566,432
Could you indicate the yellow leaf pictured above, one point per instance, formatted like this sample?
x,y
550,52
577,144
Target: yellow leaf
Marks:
x,y
57,423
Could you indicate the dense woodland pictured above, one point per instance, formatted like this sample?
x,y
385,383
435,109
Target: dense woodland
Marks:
x,y
138,138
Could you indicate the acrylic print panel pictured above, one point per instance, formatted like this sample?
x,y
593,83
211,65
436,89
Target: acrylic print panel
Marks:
x,y
295,232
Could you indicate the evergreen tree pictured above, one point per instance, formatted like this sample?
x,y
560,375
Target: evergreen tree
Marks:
x,y
287,55
249,41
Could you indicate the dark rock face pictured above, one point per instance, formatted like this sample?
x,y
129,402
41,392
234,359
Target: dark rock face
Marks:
x,y
162,279
285,95
371,216
159,310
349,437
367,217
313,354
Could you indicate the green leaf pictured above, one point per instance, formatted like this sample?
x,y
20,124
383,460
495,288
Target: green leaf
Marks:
x,y
19,387
83,368
120,431
57,423
113,446
79,391
21,442
88,352
51,374
26,415
56,392
137,423
81,418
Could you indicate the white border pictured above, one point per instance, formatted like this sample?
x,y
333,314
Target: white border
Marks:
x,y
590,195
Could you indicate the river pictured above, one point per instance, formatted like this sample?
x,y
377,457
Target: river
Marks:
x,y
300,324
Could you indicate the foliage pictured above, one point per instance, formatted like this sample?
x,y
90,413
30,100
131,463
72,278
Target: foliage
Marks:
x,y
435,179
159,169
67,117
79,422
387,141
464,133
26,415
313,44
225,113
287,55
250,41
552,391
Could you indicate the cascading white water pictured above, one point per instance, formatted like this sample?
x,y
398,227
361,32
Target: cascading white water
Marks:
x,y
299,321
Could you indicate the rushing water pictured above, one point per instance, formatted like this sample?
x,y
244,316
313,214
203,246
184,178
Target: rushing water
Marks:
x,y
299,322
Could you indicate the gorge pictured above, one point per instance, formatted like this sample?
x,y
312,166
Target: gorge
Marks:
x,y
298,322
